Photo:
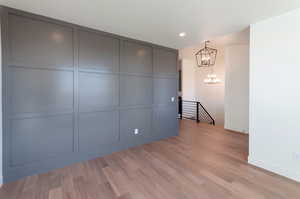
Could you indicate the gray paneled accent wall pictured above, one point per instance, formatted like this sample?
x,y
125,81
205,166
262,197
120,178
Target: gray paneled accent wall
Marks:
x,y
71,93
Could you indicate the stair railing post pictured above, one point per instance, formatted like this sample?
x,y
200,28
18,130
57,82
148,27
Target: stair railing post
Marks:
x,y
197,112
180,106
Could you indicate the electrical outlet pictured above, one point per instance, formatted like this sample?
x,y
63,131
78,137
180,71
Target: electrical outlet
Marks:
x,y
173,99
136,131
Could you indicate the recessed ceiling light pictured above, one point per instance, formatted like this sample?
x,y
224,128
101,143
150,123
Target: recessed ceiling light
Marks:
x,y
182,34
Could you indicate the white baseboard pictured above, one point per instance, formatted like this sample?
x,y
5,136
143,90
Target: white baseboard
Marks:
x,y
244,131
235,131
274,168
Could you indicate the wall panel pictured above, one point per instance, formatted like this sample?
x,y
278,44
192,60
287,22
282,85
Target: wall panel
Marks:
x,y
35,139
36,43
40,91
164,121
165,90
98,52
98,91
132,119
165,62
136,58
98,130
135,90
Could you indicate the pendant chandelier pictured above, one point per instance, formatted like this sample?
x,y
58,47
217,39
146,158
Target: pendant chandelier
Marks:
x,y
206,57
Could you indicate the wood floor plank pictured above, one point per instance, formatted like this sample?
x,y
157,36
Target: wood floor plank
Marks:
x,y
56,193
204,162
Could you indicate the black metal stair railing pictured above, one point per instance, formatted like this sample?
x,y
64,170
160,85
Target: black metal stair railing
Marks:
x,y
195,111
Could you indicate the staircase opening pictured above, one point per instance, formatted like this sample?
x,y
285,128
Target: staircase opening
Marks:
x,y
194,110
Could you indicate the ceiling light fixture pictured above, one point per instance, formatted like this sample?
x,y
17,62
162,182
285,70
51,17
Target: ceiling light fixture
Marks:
x,y
212,79
206,57
182,34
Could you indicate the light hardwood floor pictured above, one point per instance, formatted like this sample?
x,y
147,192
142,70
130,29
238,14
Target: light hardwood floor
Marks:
x,y
204,162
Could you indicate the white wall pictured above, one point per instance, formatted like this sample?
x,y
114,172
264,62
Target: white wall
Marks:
x,y
237,88
275,95
211,96
188,79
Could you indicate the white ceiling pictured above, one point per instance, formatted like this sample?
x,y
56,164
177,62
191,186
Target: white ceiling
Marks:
x,y
242,37
160,21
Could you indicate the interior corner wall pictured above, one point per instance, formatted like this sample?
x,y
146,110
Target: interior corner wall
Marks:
x,y
274,95
237,88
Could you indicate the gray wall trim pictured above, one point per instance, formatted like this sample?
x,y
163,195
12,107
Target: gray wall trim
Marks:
x,y
116,107
4,41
